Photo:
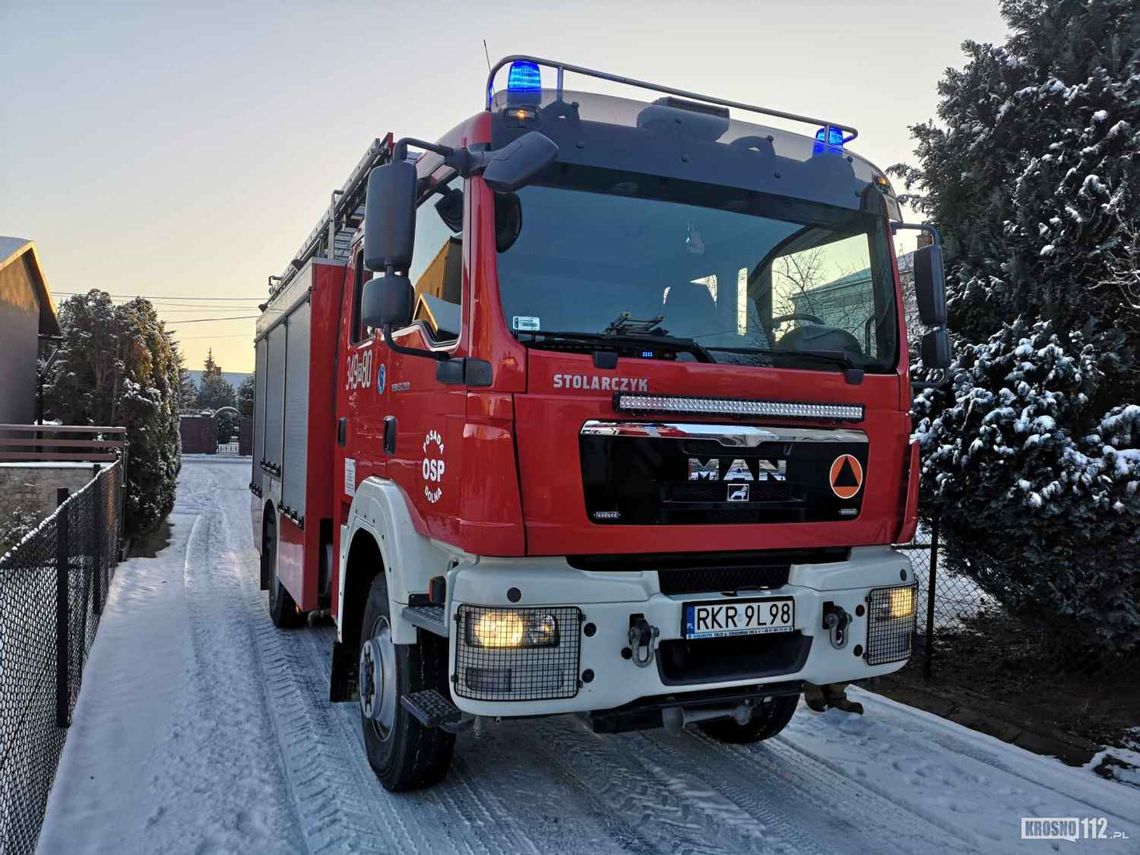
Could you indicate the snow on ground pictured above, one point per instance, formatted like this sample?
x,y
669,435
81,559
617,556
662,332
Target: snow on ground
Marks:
x,y
201,728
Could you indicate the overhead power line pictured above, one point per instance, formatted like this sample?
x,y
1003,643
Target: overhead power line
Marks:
x,y
165,297
212,337
212,320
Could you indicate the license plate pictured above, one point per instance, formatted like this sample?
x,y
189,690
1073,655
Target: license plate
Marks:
x,y
726,618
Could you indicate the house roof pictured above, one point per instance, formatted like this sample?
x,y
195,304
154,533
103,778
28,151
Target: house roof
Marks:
x,y
13,248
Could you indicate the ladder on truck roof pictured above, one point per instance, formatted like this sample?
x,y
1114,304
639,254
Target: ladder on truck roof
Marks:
x,y
332,235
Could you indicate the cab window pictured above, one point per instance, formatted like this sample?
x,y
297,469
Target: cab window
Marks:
x,y
436,271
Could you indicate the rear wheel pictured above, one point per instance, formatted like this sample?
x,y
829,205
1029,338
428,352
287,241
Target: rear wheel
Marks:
x,y
404,754
768,718
282,608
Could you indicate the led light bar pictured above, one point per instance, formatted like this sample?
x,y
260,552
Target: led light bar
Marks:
x,y
736,407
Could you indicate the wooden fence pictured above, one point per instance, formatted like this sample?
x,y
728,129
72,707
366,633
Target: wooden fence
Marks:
x,y
31,443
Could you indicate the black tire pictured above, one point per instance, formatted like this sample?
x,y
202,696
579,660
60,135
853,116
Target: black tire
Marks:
x,y
406,756
283,609
768,719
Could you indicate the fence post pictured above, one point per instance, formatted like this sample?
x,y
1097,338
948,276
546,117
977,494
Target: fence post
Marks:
x,y
100,541
62,613
931,586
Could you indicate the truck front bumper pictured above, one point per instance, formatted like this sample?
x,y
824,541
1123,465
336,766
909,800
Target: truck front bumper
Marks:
x,y
591,665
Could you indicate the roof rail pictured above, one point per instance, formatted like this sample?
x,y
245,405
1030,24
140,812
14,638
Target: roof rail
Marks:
x,y
346,209
562,67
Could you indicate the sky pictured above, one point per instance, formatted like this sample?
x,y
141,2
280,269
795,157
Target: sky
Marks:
x,y
184,151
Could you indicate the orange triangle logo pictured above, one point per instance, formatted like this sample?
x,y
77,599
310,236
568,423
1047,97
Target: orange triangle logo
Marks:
x,y
846,476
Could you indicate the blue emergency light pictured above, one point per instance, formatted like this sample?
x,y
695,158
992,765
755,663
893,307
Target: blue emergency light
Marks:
x,y
834,143
524,76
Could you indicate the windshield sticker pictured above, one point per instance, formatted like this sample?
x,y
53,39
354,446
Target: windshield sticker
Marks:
x,y
525,323
433,466
605,383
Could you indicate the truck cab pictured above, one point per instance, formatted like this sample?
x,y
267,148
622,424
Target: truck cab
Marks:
x,y
621,422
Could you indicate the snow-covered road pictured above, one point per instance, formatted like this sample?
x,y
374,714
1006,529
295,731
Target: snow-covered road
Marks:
x,y
201,728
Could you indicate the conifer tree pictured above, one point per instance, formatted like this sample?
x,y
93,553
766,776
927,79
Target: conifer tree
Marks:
x,y
1032,456
118,366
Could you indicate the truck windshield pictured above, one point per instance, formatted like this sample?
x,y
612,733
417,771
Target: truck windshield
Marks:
x,y
747,278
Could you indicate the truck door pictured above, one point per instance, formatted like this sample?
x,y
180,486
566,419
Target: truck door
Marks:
x,y
429,415
361,393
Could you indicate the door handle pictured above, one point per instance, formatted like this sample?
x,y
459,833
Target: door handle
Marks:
x,y
390,434
341,431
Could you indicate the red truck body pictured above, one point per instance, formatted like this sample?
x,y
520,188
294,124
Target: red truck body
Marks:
x,y
370,464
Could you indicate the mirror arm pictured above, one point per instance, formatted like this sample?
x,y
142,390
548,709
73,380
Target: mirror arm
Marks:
x,y
921,227
462,160
437,355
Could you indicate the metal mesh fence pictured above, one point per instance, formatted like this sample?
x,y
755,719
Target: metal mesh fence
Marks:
x,y
943,606
53,586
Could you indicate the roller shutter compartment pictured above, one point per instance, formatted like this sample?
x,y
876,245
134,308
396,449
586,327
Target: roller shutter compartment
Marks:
x,y
296,427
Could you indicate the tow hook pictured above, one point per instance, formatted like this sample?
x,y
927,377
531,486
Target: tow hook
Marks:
x,y
836,621
819,698
641,637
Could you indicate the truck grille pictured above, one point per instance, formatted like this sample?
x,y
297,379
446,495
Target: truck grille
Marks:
x,y
702,579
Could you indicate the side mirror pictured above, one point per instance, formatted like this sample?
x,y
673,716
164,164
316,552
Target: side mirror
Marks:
x,y
390,216
387,301
935,348
930,285
515,165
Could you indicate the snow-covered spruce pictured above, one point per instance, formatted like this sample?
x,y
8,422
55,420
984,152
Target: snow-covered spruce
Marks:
x,y
1040,494
1032,176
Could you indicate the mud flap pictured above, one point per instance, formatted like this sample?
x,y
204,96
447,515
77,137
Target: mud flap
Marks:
x,y
820,698
342,682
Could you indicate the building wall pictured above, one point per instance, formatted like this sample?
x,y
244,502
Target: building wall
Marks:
x,y
19,341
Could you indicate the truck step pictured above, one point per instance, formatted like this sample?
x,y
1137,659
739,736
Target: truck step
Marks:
x,y
431,709
429,617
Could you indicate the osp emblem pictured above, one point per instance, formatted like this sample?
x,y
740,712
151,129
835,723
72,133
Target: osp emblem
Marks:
x,y
432,466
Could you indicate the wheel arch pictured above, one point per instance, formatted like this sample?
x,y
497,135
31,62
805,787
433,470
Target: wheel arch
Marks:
x,y
380,512
364,563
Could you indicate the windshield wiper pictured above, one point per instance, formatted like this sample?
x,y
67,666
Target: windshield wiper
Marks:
x,y
651,341
833,357
853,371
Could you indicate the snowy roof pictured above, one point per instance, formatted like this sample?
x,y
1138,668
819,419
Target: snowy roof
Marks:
x,y
12,248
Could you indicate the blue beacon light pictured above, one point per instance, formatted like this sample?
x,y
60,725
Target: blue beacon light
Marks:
x,y
524,76
834,143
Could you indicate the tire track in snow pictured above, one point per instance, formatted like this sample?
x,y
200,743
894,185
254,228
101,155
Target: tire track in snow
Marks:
x,y
550,785
842,812
667,816
339,813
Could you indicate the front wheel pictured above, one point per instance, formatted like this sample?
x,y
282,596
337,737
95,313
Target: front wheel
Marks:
x,y
768,718
403,753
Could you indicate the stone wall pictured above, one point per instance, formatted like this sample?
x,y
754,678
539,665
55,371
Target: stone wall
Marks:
x,y
31,487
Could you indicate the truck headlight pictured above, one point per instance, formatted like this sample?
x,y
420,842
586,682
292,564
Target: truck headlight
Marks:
x,y
512,628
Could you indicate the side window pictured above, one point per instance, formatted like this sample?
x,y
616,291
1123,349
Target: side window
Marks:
x,y
436,270
360,276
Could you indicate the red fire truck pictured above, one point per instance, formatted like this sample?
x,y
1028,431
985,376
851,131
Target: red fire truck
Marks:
x,y
596,405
